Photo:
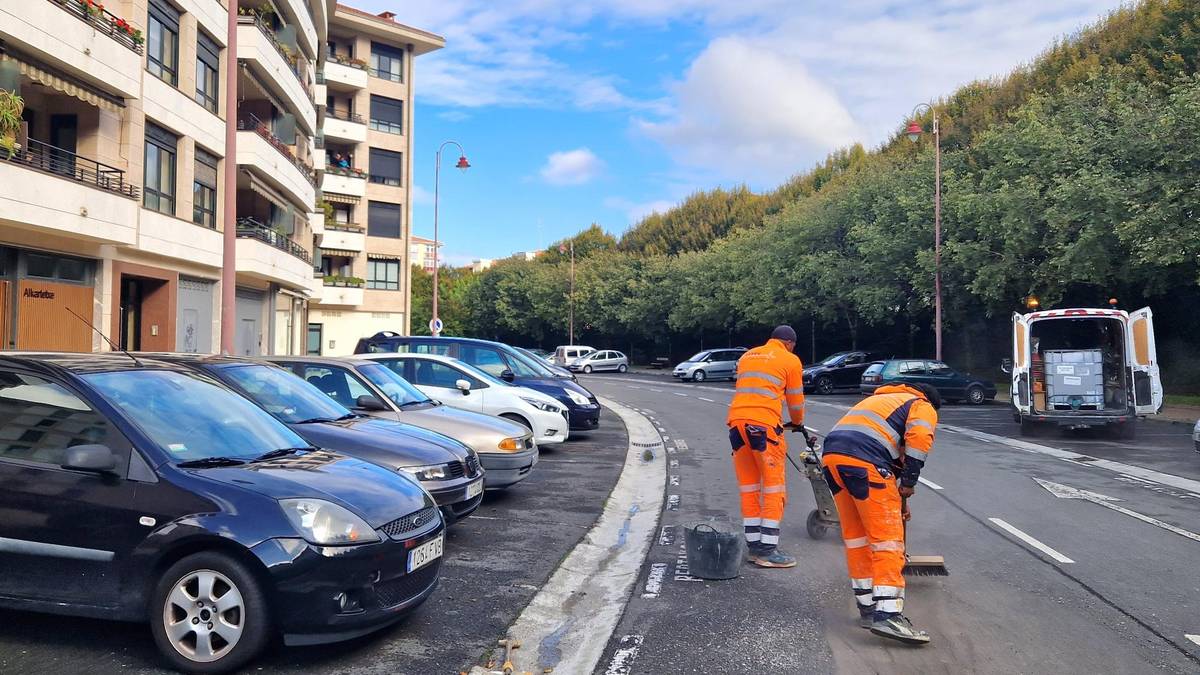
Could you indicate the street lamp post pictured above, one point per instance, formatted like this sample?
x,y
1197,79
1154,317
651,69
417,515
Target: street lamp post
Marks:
x,y
914,132
463,164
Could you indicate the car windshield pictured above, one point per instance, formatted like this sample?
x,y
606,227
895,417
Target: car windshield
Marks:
x,y
832,359
873,369
698,356
526,366
192,418
285,395
397,388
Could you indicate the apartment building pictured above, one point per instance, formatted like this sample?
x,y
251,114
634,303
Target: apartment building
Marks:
x,y
366,138
420,251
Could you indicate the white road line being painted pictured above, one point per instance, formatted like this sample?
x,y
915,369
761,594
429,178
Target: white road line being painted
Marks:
x,y
1193,638
709,400
567,624
932,485
622,659
1030,540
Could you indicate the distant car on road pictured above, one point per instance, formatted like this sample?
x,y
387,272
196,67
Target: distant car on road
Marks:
x,y
951,384
565,354
605,359
710,364
843,370
1196,435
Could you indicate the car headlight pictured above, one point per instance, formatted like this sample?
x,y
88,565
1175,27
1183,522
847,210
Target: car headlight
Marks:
x,y
326,524
577,398
542,405
428,472
510,444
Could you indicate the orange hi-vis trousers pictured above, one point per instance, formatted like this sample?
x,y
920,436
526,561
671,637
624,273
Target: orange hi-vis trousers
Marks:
x,y
759,455
868,504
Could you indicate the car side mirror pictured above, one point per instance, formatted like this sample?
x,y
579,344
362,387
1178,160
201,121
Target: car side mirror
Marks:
x,y
464,386
507,375
93,457
1006,366
368,402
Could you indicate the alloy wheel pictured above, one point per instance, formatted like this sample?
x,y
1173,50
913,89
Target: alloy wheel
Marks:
x,y
698,376
825,386
975,395
204,616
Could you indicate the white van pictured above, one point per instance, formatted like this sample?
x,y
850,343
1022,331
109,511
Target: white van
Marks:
x,y
1079,368
564,354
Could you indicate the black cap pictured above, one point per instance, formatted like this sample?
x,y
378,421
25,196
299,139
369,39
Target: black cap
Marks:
x,y
784,332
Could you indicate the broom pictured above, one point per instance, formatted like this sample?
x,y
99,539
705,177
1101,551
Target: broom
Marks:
x,y
920,565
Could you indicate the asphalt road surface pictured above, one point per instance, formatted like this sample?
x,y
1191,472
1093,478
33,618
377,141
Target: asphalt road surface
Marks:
x,y
1105,582
495,562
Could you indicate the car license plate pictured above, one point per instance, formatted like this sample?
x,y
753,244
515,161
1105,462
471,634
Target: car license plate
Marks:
x,y
474,489
424,554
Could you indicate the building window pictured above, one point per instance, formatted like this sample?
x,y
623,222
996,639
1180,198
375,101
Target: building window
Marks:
x,y
387,114
383,220
386,166
204,190
383,275
208,65
162,42
159,193
387,62
58,268
314,340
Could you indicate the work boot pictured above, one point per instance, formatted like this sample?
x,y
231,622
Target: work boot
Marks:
x,y
769,556
866,618
898,627
753,548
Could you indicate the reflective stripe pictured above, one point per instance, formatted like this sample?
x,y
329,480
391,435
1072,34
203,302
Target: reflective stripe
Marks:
x,y
770,539
918,423
889,591
880,420
751,522
755,390
796,408
887,546
752,487
873,433
857,542
759,374
793,392
753,537
918,454
861,584
774,489
770,523
864,599
891,606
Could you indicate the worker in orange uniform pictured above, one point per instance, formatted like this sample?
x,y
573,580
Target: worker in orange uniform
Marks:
x,y
767,377
872,458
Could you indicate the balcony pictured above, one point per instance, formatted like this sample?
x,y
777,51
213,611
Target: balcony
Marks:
x,y
274,160
346,72
316,221
270,255
342,291
344,125
345,181
51,190
163,235
344,237
92,45
275,67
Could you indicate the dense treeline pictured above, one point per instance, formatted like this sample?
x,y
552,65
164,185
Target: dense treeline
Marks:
x,y
1075,179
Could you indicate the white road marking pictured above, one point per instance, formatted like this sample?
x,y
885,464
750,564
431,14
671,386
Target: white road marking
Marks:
x,y
681,444
930,483
706,399
680,393
657,390
1030,540
1067,492
1193,638
633,386
623,657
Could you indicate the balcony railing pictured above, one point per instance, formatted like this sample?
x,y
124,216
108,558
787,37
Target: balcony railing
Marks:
x,y
344,115
320,77
249,228
348,172
250,122
353,228
389,75
347,60
45,157
93,14
290,57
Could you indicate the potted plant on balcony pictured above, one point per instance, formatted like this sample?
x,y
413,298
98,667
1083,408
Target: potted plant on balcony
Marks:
x,y
11,107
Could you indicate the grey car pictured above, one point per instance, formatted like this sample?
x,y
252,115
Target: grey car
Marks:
x,y
710,364
506,449
604,359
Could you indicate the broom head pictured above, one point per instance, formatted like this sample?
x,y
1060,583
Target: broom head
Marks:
x,y
925,566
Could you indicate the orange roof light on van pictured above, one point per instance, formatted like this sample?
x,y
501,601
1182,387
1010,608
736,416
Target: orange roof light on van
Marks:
x,y
1031,302
1112,302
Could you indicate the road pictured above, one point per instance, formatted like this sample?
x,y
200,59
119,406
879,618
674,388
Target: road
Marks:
x,y
1039,583
495,561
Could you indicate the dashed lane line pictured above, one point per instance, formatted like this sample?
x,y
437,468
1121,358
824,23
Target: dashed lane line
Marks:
x,y
679,393
709,400
932,485
1030,540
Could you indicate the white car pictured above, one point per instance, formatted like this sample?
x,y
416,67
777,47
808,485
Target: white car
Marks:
x,y
1196,435
461,385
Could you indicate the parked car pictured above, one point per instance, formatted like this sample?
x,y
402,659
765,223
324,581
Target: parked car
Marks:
x,y
600,360
538,352
502,361
565,354
952,385
843,370
549,362
1196,435
506,449
462,385
449,470
712,364
144,491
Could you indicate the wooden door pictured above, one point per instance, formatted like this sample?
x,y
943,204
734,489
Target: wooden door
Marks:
x,y
43,321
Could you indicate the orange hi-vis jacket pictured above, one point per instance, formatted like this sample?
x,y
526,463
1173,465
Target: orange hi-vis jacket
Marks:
x,y
891,429
766,377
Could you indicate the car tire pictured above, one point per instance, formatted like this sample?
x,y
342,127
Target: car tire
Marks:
x,y
587,370
976,395
622,368
824,385
518,419
698,376
245,622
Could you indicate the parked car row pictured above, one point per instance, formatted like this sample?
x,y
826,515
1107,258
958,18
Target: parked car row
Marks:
x,y
227,500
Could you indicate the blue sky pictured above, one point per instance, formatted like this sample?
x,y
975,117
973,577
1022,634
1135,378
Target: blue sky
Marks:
x,y
581,111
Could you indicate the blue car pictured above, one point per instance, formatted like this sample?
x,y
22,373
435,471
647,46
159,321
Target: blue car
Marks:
x,y
499,360
951,384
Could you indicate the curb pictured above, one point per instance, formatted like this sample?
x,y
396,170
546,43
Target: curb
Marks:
x,y
567,624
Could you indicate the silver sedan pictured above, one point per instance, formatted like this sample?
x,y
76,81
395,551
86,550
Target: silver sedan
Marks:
x,y
604,359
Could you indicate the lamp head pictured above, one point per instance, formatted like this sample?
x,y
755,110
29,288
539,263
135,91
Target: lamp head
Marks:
x,y
914,131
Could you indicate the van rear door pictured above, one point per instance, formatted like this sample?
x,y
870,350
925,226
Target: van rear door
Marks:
x,y
1021,391
1143,362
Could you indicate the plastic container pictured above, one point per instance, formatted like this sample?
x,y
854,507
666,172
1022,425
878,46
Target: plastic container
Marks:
x,y
714,551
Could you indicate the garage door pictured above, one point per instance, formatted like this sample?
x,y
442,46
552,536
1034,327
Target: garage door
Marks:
x,y
249,334
194,327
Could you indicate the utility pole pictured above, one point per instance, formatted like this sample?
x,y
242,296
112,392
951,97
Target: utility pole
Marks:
x,y
571,324
914,134
229,235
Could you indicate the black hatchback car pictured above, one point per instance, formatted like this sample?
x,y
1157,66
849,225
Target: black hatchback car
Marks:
x,y
499,360
842,370
142,491
449,470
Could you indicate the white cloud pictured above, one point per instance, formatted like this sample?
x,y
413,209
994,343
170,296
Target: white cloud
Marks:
x,y
454,115
571,167
420,195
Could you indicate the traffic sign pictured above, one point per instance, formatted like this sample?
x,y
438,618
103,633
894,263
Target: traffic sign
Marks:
x,y
435,326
